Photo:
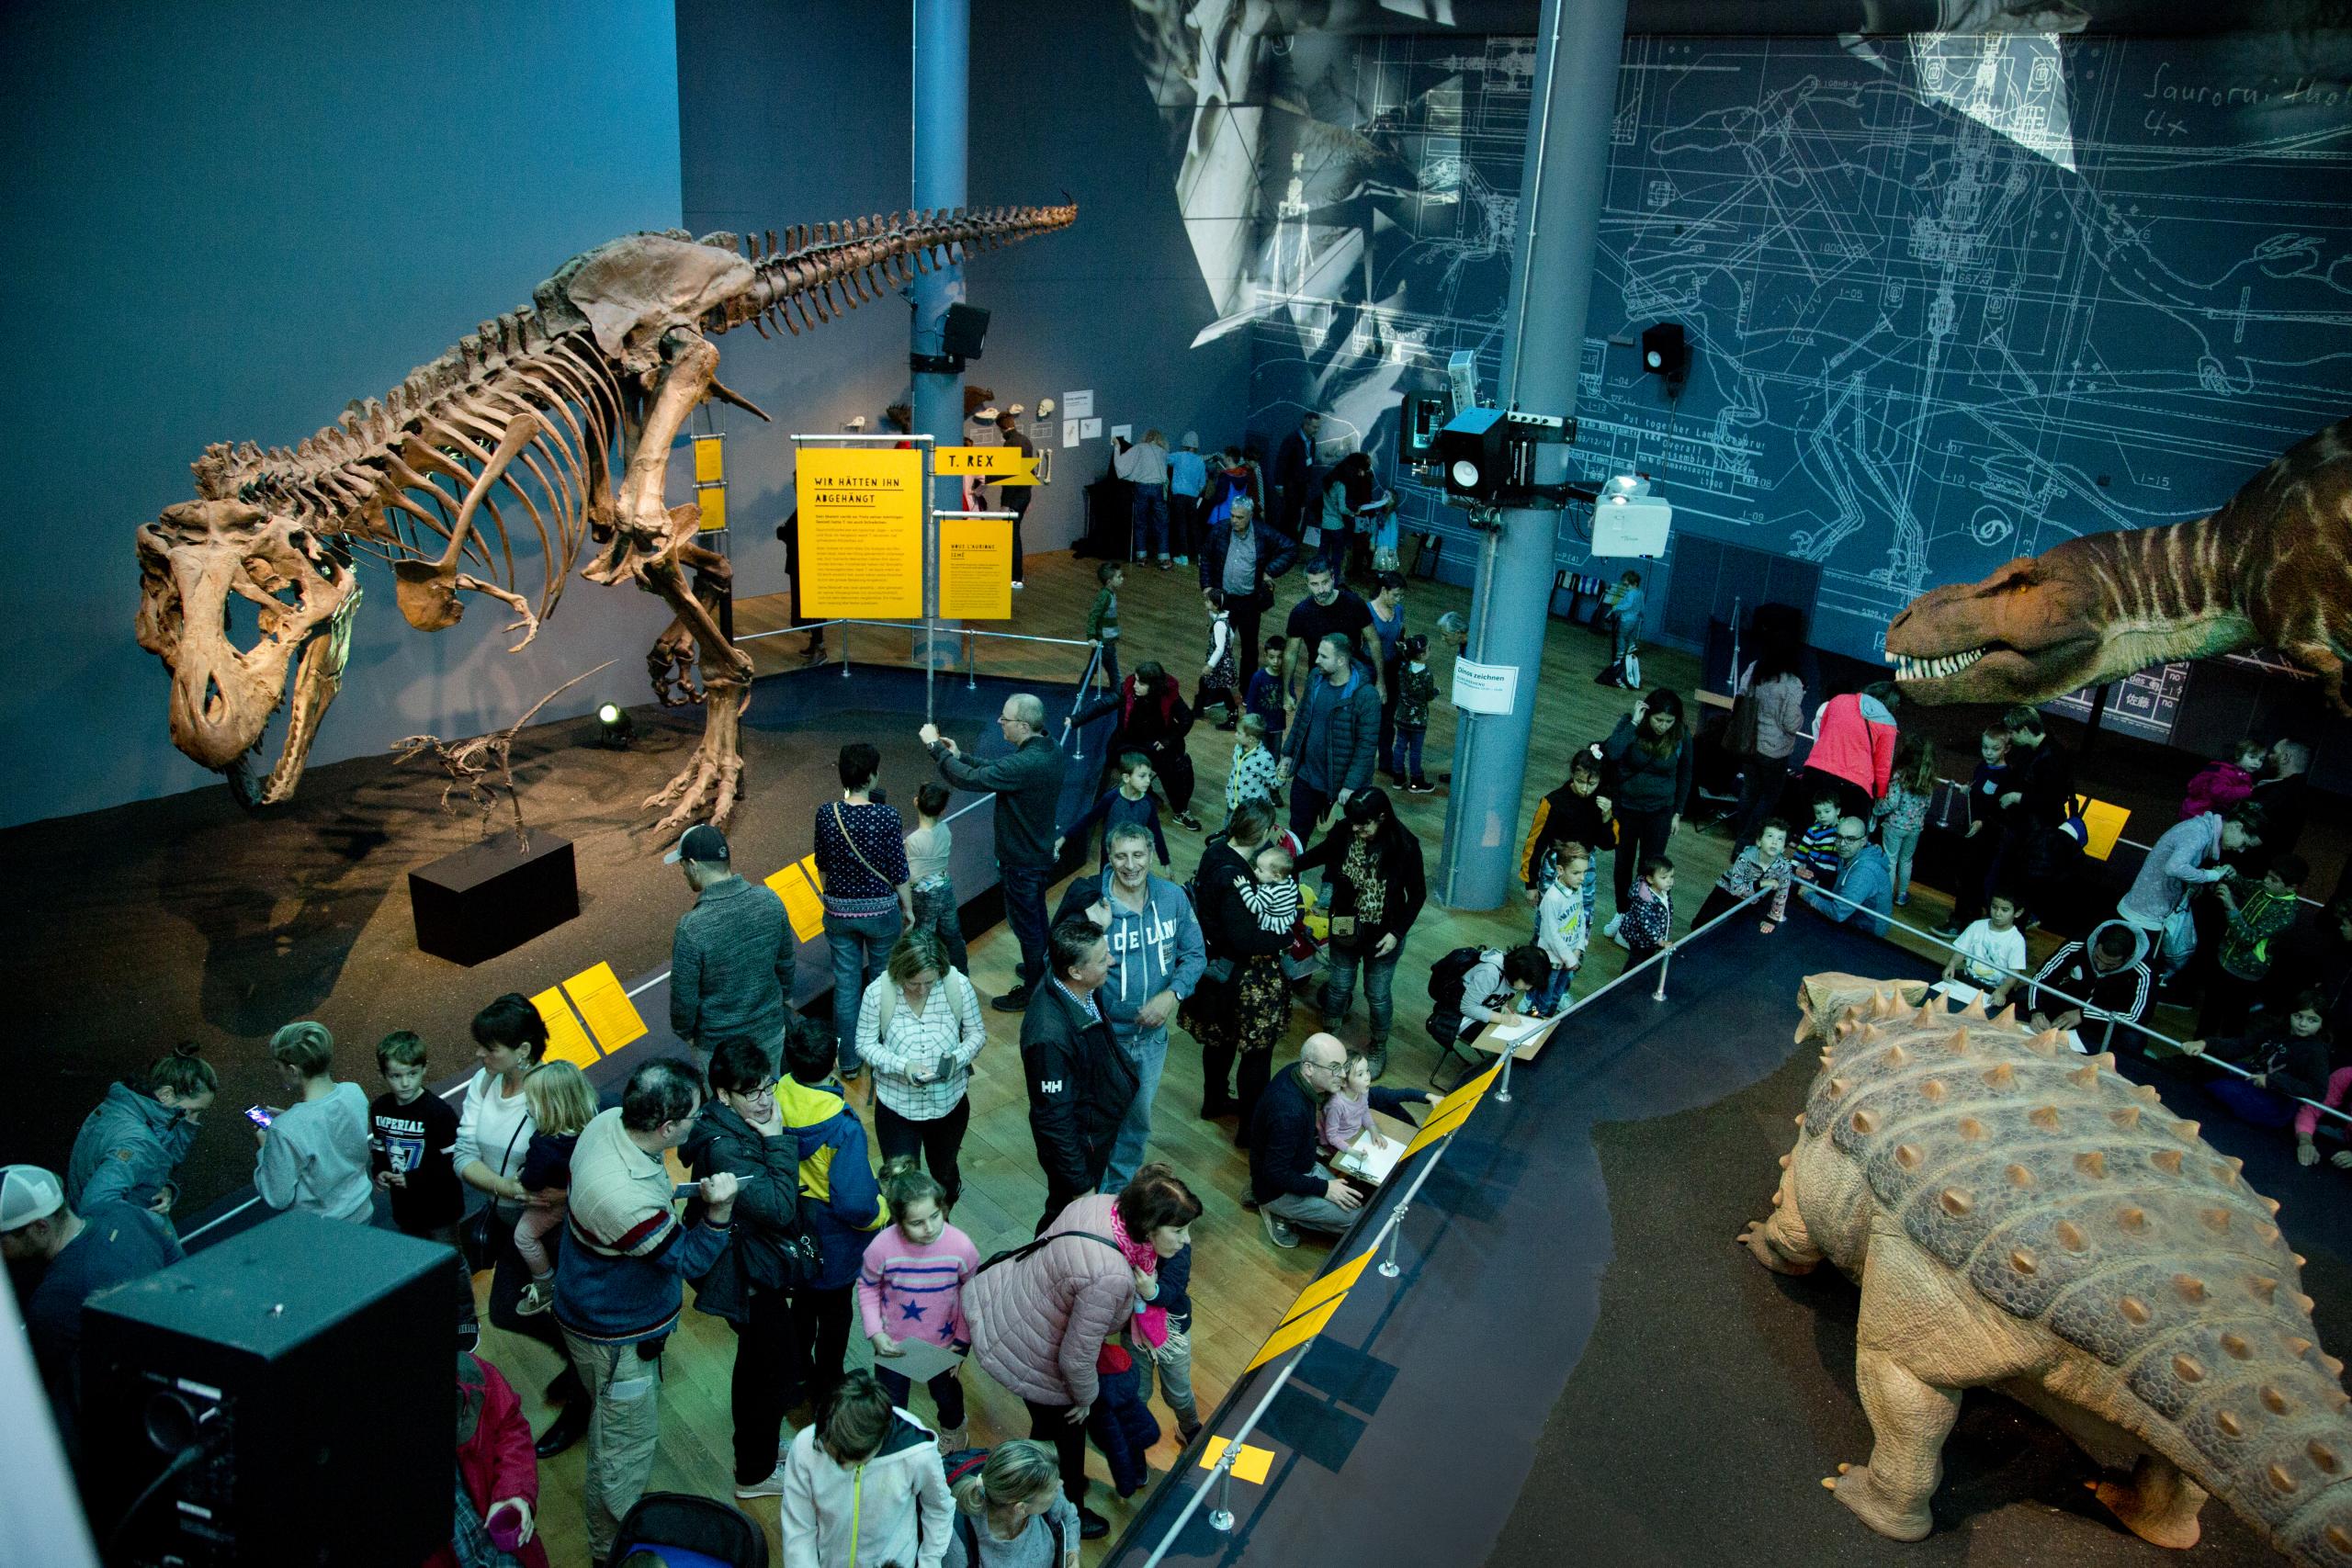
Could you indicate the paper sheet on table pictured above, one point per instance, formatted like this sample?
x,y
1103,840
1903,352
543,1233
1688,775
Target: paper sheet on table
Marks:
x,y
923,1360
1369,1156
1960,991
605,1008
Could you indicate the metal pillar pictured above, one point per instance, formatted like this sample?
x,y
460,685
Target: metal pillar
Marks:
x,y
943,48
1579,49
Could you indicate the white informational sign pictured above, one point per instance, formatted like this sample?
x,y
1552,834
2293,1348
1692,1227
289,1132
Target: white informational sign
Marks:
x,y
1069,433
1123,432
1485,688
1090,429
1078,405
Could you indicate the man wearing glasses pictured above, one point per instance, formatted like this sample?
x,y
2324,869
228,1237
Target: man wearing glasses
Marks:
x,y
1028,789
1292,1191
1863,878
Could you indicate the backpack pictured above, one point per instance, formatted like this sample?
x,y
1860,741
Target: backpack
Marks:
x,y
889,1003
1448,975
965,1463
779,1259
1740,731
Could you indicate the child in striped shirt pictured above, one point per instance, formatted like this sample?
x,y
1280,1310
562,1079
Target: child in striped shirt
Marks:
x,y
1816,850
912,1288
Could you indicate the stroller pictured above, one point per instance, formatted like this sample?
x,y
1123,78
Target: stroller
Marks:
x,y
691,1532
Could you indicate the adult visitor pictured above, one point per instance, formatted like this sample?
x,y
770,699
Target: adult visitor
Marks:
x,y
1010,1512
1776,690
112,1244
1652,752
2283,794
1144,467
1328,750
1153,719
1375,873
861,866
733,958
1028,788
1080,1083
1863,878
1188,476
1156,961
313,1153
1243,555
1289,1186
496,1473
2034,809
1330,606
741,1133
131,1148
2185,856
1388,610
1241,1006
920,1030
840,1201
1853,748
1293,475
618,1289
865,1484
1041,1317
494,1128
2099,983
1015,499
1347,491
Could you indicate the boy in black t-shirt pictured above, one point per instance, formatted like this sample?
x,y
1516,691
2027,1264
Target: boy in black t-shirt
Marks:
x,y
413,1133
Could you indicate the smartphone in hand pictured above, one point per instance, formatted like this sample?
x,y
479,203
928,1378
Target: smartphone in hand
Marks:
x,y
257,1115
685,1189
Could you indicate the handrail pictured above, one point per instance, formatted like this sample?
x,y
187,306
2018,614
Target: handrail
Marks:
x,y
2108,1036
911,625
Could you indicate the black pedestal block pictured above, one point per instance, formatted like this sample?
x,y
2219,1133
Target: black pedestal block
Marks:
x,y
491,898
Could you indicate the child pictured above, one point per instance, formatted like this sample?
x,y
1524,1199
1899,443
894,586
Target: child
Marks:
x,y
314,1154
1561,928
1990,955
1764,864
1264,698
1902,814
1103,621
1651,917
2289,1062
1223,664
1173,1356
2219,785
912,1288
1985,788
2257,912
561,1105
1273,896
1817,851
927,849
413,1134
1348,1111
1416,689
1574,813
1255,769
1120,1423
1131,802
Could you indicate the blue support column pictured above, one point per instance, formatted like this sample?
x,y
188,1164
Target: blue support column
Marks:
x,y
1579,49
943,47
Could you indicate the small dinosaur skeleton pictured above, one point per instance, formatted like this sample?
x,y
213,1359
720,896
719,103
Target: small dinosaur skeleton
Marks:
x,y
468,762
568,406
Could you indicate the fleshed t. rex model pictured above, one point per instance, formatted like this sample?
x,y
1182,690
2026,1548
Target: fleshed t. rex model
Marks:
x,y
567,405
2024,1219
2273,568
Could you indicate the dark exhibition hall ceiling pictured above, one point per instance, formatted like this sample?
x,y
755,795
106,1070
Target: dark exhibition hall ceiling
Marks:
x,y
1815,18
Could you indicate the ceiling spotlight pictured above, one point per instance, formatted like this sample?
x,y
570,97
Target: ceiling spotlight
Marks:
x,y
614,729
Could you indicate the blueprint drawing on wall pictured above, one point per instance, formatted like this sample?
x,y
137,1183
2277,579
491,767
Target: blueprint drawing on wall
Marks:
x,y
1949,298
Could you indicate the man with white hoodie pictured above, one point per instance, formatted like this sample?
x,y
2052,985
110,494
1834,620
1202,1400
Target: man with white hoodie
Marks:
x,y
1157,957
865,1482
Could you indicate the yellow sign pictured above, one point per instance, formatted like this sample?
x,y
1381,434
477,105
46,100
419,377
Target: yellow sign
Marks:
x,y
802,907
567,1042
1313,1309
861,532
605,1007
975,569
1251,1464
999,465
2102,825
711,481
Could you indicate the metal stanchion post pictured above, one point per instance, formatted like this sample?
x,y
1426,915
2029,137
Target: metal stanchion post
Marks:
x,y
1221,1517
1502,1086
971,657
2106,1036
845,635
1388,1270
1665,961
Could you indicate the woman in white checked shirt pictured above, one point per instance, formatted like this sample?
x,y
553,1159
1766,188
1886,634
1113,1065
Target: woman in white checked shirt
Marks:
x,y
919,1027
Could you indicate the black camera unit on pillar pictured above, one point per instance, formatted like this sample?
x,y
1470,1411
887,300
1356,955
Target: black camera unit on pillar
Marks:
x,y
1490,459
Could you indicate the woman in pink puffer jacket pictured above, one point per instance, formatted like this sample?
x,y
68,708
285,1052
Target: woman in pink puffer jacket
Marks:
x,y
1040,1317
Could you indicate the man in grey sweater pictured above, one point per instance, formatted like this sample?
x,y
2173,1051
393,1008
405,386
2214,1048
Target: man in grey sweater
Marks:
x,y
1028,790
1328,755
735,957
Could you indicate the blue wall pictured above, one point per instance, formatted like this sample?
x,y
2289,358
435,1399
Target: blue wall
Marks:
x,y
226,222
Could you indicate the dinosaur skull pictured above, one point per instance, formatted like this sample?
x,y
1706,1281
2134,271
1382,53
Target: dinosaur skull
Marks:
x,y
2028,633
191,559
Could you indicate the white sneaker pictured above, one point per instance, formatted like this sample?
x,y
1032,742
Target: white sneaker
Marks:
x,y
1610,930
1016,585
772,1487
536,1297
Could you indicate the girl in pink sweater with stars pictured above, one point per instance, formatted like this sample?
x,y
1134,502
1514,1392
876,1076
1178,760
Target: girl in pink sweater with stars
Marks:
x,y
911,1289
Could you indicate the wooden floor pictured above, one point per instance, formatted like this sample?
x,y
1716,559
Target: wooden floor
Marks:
x,y
1240,1283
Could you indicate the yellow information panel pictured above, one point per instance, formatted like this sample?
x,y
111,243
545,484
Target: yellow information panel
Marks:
x,y
802,906
1251,1464
999,465
861,532
2102,825
567,1042
605,1007
975,569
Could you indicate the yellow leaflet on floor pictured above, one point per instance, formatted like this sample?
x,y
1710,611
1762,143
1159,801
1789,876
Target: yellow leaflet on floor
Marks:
x,y
801,904
1252,1465
611,1017
567,1042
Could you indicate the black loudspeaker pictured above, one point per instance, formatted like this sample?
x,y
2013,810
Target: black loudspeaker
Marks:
x,y
310,1362
961,334
1666,352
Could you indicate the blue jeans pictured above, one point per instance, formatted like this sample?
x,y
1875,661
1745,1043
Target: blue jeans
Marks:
x,y
1151,522
1404,761
1379,989
936,912
859,945
1025,911
1900,847
1147,1049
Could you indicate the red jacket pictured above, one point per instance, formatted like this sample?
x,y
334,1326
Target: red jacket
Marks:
x,y
498,1463
2217,787
1854,740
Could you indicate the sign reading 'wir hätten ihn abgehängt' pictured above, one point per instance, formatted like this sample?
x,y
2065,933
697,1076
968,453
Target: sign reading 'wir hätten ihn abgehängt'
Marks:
x,y
861,532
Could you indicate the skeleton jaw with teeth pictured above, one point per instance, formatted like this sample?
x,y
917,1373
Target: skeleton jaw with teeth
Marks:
x,y
192,559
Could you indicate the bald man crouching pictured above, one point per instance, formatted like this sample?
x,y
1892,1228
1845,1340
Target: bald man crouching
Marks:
x,y
1290,1188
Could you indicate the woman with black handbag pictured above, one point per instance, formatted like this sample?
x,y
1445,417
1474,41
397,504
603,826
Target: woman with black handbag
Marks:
x,y
494,1128
742,1132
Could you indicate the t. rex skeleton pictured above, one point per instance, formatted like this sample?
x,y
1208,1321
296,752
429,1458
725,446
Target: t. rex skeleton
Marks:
x,y
614,352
